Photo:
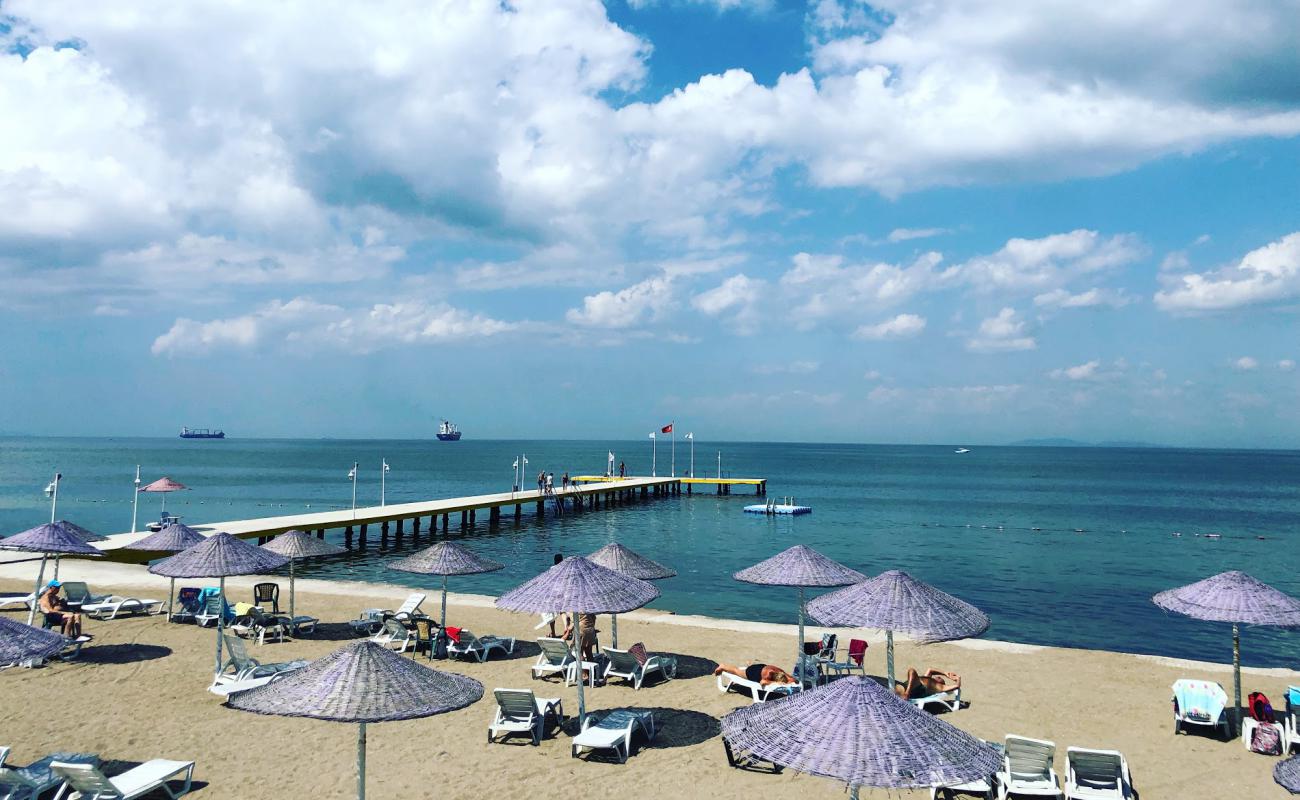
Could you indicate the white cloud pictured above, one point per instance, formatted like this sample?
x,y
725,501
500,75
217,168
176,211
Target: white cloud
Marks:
x,y
1081,372
826,286
903,326
886,394
626,308
1246,364
738,296
717,5
1004,332
306,323
1286,365
1062,298
872,375
1268,274
792,368
1052,261
908,234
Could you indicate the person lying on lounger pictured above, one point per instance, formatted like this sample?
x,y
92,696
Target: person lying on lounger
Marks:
x,y
58,612
934,681
764,675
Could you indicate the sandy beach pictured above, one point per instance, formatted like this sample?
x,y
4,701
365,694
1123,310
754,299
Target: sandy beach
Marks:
x,y
139,692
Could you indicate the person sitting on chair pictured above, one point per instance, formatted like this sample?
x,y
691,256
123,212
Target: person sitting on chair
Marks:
x,y
934,681
764,675
58,612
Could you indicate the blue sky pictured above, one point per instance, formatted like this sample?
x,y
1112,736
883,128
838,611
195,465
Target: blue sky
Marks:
x,y
974,221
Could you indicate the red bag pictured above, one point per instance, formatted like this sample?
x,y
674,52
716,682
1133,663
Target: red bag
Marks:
x,y
452,633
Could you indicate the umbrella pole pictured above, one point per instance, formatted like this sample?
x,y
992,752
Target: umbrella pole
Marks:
x,y
221,624
1236,678
291,606
853,792
443,622
613,623
361,762
56,567
798,658
577,652
171,597
889,657
36,593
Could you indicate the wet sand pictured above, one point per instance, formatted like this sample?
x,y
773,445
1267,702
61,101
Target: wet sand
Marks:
x,y
139,692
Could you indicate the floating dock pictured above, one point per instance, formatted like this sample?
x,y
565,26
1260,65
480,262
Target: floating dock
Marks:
x,y
393,519
777,508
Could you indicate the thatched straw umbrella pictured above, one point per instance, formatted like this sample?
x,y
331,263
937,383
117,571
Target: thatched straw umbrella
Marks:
x,y
362,682
857,731
81,533
172,539
1287,774
50,539
445,558
577,586
219,556
163,486
803,567
895,601
19,642
1237,598
620,559
294,545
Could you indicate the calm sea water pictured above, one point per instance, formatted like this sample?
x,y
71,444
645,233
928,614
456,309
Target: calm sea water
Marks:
x,y
1060,546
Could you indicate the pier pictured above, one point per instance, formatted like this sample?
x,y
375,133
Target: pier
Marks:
x,y
721,485
401,519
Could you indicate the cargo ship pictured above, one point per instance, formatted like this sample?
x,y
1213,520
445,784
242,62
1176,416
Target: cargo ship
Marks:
x,y
202,433
447,432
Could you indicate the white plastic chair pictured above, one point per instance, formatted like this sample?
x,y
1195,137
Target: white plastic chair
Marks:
x,y
623,664
1027,768
479,647
556,657
613,730
395,636
521,711
1096,775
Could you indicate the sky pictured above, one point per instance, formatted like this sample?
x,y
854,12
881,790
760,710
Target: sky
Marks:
x,y
905,222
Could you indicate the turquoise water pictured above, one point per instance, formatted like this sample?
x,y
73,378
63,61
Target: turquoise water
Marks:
x,y
962,522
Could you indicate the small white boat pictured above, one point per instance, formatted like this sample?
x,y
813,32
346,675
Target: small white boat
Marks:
x,y
960,450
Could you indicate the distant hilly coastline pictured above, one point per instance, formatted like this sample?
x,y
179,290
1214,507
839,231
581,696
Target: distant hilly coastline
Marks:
x,y
1059,442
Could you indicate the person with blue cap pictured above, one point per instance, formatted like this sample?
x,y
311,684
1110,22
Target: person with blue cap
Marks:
x,y
57,611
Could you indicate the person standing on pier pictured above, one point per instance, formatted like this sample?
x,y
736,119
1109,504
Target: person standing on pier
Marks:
x,y
564,482
541,482
622,470
550,483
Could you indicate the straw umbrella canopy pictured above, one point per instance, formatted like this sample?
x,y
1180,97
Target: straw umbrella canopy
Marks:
x,y
445,558
803,567
1287,774
81,533
362,682
219,556
895,601
51,538
294,545
857,731
577,586
629,562
172,539
1237,598
163,485
19,642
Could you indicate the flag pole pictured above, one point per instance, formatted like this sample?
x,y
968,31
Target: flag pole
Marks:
x,y
654,444
672,431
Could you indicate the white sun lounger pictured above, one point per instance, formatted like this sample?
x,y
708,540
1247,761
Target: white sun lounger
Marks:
x,y
623,664
35,779
394,636
78,594
521,711
242,685
951,700
241,667
1027,768
479,647
759,693
556,657
23,600
111,606
1096,775
613,730
91,784
411,607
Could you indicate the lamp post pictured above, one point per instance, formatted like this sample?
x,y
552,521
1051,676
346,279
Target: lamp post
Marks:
x,y
691,438
514,487
52,492
135,500
653,453
352,474
719,464
383,480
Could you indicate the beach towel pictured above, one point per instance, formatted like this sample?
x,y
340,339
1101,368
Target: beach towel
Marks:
x,y
1292,698
1203,701
638,652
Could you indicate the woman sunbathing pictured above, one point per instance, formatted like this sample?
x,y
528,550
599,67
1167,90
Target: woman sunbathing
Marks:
x,y
763,674
934,681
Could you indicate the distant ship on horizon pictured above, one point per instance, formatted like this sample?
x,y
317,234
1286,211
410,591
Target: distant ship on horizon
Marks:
x,y
202,433
447,432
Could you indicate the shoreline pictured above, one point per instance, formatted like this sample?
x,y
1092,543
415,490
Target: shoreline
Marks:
x,y
118,575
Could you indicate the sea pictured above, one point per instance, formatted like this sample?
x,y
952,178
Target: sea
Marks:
x,y
1058,545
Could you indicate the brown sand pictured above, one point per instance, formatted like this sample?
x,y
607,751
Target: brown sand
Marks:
x,y
140,692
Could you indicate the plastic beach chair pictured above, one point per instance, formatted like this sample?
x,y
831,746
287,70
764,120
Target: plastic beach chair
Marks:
x,y
1203,703
1096,775
757,692
89,782
555,657
1027,768
624,664
395,636
78,594
853,662
613,730
113,605
521,711
267,596
239,666
35,779
187,603
479,647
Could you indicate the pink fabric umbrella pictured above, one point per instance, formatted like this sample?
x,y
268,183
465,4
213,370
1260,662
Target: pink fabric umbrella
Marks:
x,y
164,485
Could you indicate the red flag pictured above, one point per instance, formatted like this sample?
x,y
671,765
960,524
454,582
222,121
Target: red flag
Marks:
x,y
667,428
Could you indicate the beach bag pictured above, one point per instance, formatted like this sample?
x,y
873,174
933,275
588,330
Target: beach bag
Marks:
x,y
1261,710
1265,739
452,633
